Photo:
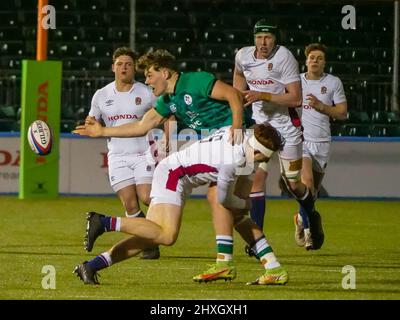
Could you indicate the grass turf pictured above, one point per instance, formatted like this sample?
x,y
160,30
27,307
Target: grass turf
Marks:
x,y
362,234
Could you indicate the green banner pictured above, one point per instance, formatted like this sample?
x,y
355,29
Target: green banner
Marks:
x,y
40,100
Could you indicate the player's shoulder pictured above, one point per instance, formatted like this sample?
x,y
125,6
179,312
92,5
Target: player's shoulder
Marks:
x,y
105,91
139,86
284,53
332,79
245,52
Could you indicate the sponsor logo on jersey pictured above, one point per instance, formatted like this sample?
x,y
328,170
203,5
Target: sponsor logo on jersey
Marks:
x,y
109,102
138,101
260,81
270,66
122,116
323,90
172,107
188,99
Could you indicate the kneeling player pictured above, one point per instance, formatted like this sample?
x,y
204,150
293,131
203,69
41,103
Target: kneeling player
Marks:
x,y
213,159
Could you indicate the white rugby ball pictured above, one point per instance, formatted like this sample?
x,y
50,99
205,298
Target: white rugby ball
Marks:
x,y
40,137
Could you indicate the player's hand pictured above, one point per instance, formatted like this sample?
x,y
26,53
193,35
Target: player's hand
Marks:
x,y
251,96
91,128
236,135
313,102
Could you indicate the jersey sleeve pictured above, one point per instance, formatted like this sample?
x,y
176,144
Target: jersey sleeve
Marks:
x,y
162,108
94,107
339,95
290,69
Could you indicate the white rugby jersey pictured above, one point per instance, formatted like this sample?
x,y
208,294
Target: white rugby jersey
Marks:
x,y
117,108
271,75
212,159
329,90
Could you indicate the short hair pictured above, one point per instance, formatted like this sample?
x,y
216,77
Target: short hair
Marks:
x,y
124,51
315,46
160,58
268,136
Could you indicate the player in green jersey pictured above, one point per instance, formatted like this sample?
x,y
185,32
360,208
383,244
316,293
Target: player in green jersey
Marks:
x,y
198,101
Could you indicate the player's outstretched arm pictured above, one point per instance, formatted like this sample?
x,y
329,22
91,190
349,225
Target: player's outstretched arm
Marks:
x,y
93,128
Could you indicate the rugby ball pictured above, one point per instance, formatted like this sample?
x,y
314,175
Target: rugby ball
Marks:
x,y
40,137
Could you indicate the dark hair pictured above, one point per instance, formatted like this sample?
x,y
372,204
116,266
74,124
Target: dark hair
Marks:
x,y
315,46
160,58
268,136
124,51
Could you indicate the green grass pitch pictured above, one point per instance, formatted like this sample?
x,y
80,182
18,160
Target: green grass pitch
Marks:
x,y
363,234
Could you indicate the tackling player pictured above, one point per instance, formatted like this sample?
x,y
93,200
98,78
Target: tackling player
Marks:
x,y
211,160
323,98
130,163
198,101
271,73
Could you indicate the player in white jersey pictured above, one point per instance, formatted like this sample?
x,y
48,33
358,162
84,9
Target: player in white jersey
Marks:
x,y
213,159
270,72
323,98
130,161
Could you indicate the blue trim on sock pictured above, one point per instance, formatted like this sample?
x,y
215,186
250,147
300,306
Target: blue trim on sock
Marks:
x,y
257,211
106,222
98,263
304,217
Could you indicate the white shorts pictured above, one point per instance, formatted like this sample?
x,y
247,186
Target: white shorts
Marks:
x,y
168,185
129,170
319,153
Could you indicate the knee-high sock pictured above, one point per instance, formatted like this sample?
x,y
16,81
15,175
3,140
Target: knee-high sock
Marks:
x,y
306,207
257,211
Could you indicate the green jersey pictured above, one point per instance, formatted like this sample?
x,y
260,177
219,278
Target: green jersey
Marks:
x,y
192,105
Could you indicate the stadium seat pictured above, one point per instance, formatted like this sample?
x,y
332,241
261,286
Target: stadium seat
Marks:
x,y
66,126
75,63
64,34
67,113
358,130
93,34
8,125
92,19
100,64
337,129
10,33
150,35
360,55
358,117
212,36
64,6
7,112
383,55
211,51
12,48
191,65
149,20
71,49
179,35
392,131
67,19
338,69
178,20
237,36
119,34
8,19
220,65
11,62
296,38
364,68
90,5
235,21
204,21
117,19
100,49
